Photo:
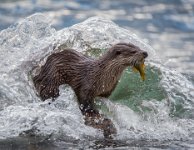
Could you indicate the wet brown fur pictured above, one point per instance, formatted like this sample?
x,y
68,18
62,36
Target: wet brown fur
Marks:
x,y
88,77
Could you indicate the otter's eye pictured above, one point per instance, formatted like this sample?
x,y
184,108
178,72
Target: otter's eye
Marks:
x,y
118,52
133,52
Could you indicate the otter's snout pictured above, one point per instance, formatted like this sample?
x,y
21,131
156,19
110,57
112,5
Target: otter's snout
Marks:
x,y
145,54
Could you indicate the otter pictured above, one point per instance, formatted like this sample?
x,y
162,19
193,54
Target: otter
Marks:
x,y
88,77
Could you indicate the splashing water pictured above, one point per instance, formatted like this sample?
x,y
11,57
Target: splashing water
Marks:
x,y
158,109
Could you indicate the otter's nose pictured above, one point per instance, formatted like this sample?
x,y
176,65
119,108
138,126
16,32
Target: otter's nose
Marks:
x,y
145,54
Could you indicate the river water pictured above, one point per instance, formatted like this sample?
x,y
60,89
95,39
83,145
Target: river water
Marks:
x,y
155,114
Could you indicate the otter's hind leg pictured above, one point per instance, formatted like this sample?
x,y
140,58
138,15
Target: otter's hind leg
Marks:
x,y
46,85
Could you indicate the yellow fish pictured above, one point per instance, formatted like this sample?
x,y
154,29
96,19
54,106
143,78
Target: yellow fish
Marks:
x,y
141,69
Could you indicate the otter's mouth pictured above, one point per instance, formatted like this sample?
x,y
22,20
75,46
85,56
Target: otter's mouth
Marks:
x,y
140,67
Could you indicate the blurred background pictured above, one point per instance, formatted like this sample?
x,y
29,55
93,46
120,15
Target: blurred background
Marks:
x,y
167,25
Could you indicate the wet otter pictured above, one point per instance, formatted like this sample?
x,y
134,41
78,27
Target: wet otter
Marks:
x,y
88,77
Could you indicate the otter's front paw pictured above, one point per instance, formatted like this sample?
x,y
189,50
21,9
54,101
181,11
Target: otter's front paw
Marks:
x,y
109,128
105,124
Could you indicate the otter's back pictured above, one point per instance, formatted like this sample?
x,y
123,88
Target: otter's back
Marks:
x,y
65,67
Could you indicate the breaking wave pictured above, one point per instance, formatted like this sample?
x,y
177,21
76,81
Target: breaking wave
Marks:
x,y
159,108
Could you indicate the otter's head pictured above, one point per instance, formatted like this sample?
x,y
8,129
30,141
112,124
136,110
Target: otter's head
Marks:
x,y
127,54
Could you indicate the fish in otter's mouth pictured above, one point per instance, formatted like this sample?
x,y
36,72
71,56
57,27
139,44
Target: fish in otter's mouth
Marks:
x,y
140,67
